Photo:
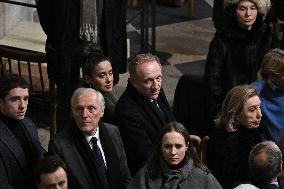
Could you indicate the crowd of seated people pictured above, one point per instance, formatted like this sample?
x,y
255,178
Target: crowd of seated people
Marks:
x,y
135,141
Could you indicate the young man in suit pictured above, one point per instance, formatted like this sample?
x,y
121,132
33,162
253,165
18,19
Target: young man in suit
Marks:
x,y
20,149
92,150
142,110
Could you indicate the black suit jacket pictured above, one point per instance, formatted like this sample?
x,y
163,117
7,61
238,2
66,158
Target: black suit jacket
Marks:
x,y
14,171
267,186
64,145
140,124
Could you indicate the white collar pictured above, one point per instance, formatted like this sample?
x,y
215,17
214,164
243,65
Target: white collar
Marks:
x,y
89,137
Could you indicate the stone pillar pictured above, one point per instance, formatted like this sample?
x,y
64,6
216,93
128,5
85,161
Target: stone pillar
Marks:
x,y
11,15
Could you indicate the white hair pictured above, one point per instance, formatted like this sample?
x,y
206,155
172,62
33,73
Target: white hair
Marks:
x,y
80,91
246,186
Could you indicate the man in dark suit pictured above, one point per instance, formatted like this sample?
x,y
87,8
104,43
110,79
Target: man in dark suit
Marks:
x,y
142,110
265,162
69,25
92,150
20,149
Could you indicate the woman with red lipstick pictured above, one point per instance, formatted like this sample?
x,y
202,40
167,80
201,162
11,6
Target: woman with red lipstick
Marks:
x,y
236,131
174,164
237,49
97,74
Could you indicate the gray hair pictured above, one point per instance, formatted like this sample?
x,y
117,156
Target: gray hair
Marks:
x,y
246,186
80,91
265,171
139,59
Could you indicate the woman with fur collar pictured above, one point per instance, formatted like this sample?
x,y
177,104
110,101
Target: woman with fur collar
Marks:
x,y
236,51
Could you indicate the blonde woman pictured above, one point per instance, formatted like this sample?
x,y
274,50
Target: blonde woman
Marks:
x,y
236,131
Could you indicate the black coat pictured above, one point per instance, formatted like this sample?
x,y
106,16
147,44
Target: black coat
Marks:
x,y
60,21
65,145
234,58
14,170
230,154
267,186
140,124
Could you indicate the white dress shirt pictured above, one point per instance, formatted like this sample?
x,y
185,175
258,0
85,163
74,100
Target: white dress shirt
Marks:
x,y
88,138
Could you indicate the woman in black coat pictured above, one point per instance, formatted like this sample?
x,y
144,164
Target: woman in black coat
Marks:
x,y
236,132
236,51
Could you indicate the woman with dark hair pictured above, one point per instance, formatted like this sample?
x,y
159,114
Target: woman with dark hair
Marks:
x,y
97,74
174,164
236,131
237,49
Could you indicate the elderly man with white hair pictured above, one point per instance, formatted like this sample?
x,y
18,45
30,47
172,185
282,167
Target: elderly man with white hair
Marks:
x,y
92,150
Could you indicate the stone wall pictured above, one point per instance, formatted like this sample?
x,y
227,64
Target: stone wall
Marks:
x,y
11,15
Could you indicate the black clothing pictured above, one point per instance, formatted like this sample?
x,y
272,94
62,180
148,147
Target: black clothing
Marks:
x,y
234,58
60,20
189,105
215,151
231,157
20,151
267,186
140,124
72,146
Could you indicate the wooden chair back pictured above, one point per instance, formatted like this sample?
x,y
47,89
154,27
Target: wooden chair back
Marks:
x,y
202,151
30,66
195,142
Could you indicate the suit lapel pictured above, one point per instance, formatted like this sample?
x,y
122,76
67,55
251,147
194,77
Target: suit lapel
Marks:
x,y
80,169
12,144
113,169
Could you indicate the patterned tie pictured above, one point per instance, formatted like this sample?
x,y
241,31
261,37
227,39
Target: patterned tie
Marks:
x,y
98,155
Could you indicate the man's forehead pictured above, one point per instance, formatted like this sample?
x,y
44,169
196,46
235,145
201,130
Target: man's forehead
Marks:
x,y
86,104
86,100
149,69
150,64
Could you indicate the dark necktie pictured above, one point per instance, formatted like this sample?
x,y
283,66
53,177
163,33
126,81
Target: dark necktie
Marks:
x,y
158,110
98,156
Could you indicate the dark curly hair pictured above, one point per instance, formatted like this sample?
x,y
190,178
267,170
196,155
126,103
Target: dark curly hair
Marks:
x,y
10,82
91,56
